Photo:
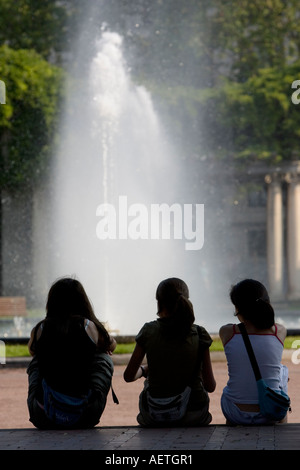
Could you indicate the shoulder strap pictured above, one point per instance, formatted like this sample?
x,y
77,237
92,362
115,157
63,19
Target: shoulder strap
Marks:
x,y
201,348
250,351
115,398
200,354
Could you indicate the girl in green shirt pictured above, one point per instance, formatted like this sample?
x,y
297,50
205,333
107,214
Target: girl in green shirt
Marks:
x,y
178,372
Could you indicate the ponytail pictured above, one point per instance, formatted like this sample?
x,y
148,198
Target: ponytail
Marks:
x,y
173,296
183,315
252,301
262,315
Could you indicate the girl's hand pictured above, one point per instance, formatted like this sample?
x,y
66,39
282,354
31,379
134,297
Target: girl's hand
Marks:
x,y
112,346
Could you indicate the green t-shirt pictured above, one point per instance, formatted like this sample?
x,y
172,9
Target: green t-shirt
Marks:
x,y
172,361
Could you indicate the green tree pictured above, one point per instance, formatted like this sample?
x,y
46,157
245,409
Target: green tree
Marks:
x,y
252,34
28,119
32,24
255,120
230,95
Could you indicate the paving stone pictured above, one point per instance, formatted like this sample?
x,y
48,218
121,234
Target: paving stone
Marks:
x,y
135,438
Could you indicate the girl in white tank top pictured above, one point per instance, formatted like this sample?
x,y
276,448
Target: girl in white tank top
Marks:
x,y
239,399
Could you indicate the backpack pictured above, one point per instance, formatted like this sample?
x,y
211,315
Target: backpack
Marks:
x,y
63,410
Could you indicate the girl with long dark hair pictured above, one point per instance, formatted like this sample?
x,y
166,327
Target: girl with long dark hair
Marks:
x,y
178,371
71,354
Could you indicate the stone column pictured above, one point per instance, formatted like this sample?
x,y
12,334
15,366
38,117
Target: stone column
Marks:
x,y
275,251
293,236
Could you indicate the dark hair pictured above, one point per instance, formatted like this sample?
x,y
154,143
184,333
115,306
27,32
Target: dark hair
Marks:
x,y
172,295
252,301
67,298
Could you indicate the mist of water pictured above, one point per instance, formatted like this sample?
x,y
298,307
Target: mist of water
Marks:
x,y
113,145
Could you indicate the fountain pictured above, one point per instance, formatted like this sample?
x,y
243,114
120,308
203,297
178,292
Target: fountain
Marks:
x,y
122,210
120,219
120,214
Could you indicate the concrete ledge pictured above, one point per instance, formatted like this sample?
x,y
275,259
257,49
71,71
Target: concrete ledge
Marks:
x,y
135,438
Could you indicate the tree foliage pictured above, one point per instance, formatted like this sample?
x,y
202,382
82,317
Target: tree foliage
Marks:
x,y
220,71
32,24
27,120
255,120
228,75
250,112
255,34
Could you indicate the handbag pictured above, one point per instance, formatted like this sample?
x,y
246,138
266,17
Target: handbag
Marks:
x,y
273,404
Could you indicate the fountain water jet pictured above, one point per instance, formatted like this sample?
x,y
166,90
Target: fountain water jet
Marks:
x,y
112,146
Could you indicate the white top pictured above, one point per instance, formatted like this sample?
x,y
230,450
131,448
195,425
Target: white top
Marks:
x,y
241,386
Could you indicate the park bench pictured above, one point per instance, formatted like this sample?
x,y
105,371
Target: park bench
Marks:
x,y
13,307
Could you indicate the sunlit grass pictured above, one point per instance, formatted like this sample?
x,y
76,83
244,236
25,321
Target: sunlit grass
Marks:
x,y
125,348
21,350
16,350
289,341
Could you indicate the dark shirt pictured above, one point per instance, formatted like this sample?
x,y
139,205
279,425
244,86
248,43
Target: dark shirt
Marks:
x,y
65,356
173,362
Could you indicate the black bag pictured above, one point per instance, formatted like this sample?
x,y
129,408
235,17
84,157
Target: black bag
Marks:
x,y
170,409
61,409
273,404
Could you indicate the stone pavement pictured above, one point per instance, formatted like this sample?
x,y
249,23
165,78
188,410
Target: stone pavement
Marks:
x,y
119,435
169,440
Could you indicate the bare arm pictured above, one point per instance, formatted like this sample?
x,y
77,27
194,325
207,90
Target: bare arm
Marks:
x,y
113,345
281,332
93,333
133,370
225,333
91,330
207,373
31,339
